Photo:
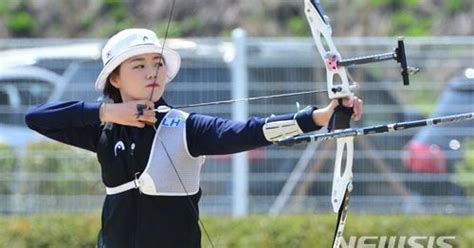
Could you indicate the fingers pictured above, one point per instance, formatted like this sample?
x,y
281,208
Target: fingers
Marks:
x,y
357,107
150,105
138,124
147,116
143,105
145,113
356,104
132,113
349,101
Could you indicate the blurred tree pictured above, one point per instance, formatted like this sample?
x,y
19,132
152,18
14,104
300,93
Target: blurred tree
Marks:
x,y
101,18
19,19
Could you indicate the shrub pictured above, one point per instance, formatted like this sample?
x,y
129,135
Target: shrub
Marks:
x,y
61,170
465,168
310,230
8,163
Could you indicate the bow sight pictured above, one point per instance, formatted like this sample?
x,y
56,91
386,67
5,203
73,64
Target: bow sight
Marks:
x,y
398,54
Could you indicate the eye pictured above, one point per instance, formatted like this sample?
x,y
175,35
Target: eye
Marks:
x,y
140,66
159,64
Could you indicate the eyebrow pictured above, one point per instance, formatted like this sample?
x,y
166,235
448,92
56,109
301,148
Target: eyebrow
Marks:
x,y
139,59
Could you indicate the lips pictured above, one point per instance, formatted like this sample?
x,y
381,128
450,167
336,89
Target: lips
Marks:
x,y
152,85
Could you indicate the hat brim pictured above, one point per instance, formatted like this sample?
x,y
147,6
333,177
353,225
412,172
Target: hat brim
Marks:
x,y
172,62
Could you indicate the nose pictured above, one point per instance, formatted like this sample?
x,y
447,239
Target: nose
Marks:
x,y
151,76
151,73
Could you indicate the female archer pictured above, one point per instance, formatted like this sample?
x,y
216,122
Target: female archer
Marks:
x,y
150,159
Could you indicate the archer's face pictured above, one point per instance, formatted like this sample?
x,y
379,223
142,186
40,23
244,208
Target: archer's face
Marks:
x,y
141,76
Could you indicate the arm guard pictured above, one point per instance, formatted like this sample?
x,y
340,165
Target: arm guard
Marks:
x,y
277,130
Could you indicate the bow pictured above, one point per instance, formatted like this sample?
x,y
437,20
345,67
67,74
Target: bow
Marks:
x,y
339,125
342,181
335,67
340,120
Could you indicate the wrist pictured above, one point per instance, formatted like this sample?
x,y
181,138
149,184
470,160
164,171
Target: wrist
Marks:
x,y
321,116
102,112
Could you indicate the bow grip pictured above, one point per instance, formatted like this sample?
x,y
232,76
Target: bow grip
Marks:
x,y
340,118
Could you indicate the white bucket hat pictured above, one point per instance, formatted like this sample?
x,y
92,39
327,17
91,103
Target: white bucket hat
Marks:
x,y
133,42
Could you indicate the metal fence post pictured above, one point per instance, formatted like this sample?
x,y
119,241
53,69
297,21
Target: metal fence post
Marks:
x,y
239,112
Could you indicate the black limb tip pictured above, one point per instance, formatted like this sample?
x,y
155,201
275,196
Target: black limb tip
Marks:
x,y
317,5
402,59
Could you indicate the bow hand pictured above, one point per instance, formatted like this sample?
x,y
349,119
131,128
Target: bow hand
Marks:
x,y
341,117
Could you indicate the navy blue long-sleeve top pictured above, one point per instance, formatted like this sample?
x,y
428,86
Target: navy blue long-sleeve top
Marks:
x,y
131,219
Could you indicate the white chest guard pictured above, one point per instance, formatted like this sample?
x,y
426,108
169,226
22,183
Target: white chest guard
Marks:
x,y
159,176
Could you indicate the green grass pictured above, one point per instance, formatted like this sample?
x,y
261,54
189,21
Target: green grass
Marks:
x,y
310,230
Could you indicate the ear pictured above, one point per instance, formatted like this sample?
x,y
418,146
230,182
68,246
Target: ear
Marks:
x,y
114,80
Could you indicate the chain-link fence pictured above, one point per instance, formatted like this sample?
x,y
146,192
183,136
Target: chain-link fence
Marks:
x,y
37,175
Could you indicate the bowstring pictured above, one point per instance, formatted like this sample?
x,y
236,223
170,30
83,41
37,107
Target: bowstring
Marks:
x,y
255,98
160,64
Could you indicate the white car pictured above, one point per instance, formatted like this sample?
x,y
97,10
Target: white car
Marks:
x,y
37,75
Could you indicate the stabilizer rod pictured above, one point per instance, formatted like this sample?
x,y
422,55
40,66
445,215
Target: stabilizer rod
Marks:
x,y
398,54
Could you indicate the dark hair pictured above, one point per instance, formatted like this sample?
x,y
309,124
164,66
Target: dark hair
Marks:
x,y
109,90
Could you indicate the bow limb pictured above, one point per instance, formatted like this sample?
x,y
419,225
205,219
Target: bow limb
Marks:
x,y
320,29
342,178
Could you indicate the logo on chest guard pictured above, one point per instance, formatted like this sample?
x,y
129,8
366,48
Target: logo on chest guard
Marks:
x,y
171,122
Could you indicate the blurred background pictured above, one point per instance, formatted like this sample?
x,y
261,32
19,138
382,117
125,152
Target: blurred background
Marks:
x,y
50,51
